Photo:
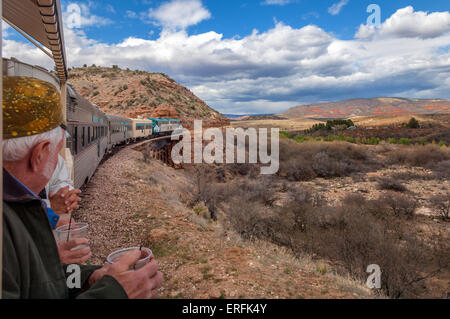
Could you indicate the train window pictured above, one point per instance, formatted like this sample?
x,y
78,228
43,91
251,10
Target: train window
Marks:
x,y
89,136
75,140
83,138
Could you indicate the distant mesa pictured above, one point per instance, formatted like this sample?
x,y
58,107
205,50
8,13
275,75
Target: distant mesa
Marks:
x,y
253,117
369,107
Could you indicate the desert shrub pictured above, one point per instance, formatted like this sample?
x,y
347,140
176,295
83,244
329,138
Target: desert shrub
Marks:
x,y
409,176
316,127
244,169
442,169
399,205
326,165
297,169
405,141
285,134
355,234
249,220
442,204
302,162
203,191
261,191
391,184
424,156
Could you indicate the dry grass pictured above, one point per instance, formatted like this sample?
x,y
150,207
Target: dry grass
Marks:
x,y
284,125
373,121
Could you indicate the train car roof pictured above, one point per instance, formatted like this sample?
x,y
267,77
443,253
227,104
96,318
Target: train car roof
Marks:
x,y
164,120
84,104
40,21
145,120
117,117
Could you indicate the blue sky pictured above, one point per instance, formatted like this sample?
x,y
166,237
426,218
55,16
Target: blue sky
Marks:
x,y
239,18
264,56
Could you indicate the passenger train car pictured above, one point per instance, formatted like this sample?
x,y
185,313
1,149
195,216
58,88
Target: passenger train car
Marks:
x,y
89,141
142,128
120,130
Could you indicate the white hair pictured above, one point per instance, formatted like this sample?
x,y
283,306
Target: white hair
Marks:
x,y
17,148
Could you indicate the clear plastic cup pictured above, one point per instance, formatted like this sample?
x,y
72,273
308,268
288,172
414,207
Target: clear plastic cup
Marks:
x,y
146,254
77,230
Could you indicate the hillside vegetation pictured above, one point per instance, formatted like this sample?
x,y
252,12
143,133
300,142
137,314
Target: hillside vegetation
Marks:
x,y
138,93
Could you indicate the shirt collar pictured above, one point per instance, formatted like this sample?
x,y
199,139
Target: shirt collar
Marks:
x,y
14,190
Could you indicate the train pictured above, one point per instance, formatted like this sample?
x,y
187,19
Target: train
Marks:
x,y
93,133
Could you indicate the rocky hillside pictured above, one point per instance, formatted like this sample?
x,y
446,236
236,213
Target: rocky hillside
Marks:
x,y
369,107
138,93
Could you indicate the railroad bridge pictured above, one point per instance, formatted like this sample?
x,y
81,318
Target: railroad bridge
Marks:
x,y
159,149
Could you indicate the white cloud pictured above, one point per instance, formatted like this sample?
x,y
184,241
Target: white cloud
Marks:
x,y
406,23
110,8
131,14
277,2
267,72
5,28
179,14
336,8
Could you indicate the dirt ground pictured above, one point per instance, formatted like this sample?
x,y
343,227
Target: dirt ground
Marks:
x,y
131,203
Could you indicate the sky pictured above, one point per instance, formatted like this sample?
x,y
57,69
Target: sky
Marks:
x,y
263,56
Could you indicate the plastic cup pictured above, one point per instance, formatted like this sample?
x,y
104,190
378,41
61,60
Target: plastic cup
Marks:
x,y
146,254
77,230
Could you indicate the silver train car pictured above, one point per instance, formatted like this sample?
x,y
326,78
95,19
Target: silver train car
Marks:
x,y
89,141
142,129
120,130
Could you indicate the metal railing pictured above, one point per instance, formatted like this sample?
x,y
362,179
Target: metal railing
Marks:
x,y
14,67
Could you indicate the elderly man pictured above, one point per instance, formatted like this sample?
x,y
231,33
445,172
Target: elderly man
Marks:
x,y
33,136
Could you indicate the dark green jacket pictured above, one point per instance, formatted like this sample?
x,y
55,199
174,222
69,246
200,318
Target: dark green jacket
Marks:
x,y
31,265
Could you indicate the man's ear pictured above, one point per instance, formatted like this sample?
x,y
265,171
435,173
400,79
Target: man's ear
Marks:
x,y
39,155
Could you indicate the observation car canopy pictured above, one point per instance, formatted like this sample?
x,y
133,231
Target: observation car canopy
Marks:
x,y
42,21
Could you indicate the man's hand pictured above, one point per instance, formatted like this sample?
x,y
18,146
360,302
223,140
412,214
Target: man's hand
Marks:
x,y
69,256
139,284
65,200
64,220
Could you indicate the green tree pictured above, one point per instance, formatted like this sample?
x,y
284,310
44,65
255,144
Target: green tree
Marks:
x,y
413,123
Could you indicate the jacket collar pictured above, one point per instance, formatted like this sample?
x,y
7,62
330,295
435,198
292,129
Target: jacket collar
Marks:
x,y
14,190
